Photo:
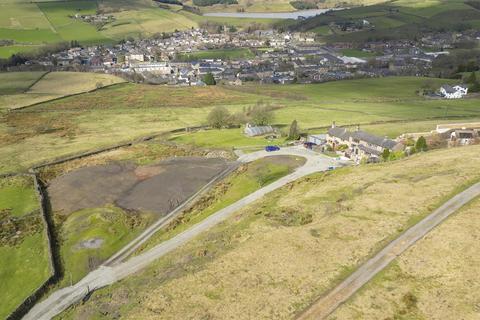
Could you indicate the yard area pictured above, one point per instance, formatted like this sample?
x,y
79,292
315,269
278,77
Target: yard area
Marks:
x,y
24,259
293,245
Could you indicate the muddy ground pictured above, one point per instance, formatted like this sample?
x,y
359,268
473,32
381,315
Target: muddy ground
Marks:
x,y
155,188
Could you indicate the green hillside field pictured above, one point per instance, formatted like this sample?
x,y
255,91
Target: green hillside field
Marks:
x,y
24,259
396,19
127,111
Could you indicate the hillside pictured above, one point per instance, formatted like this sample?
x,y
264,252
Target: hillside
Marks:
x,y
33,27
441,267
274,258
400,19
127,111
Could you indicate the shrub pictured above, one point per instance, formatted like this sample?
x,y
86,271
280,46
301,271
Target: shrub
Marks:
x,y
303,5
385,154
219,117
209,79
205,3
421,144
294,132
261,115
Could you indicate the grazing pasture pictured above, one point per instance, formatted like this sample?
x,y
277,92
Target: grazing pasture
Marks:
x,y
402,19
127,111
18,82
24,259
19,89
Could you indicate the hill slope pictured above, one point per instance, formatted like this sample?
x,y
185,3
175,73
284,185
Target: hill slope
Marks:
x,y
400,19
274,258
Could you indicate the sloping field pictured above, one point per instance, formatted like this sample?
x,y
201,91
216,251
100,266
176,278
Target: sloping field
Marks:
x,y
434,279
18,82
146,22
401,19
18,91
124,112
24,260
67,83
274,258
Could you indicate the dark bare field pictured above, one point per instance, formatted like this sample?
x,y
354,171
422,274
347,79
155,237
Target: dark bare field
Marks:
x,y
155,188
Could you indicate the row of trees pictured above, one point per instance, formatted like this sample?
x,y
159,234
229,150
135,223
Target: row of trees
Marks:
x,y
260,114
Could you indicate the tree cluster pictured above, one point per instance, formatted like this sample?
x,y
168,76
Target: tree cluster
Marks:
x,y
205,3
209,79
259,115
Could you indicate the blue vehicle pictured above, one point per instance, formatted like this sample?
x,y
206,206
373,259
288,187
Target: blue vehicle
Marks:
x,y
272,148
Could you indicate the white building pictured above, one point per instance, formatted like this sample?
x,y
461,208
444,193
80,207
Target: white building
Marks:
x,y
455,92
162,68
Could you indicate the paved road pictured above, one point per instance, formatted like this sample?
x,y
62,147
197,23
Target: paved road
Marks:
x,y
106,275
328,303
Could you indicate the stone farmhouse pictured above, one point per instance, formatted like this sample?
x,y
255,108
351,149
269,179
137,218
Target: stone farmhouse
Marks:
x,y
359,145
455,92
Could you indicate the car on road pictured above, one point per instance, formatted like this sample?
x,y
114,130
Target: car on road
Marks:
x,y
272,148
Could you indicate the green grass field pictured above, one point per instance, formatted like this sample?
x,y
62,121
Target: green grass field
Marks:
x,y
127,111
24,264
18,82
19,89
224,54
396,19
224,138
357,53
114,227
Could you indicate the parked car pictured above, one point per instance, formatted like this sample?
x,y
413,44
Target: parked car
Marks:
x,y
272,148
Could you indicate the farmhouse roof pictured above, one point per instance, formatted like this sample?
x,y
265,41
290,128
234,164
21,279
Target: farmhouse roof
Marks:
x,y
338,132
448,88
374,140
369,150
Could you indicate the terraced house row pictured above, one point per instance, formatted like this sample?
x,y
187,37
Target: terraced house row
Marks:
x,y
359,145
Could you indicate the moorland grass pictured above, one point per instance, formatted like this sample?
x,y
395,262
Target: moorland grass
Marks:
x,y
274,269
440,267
